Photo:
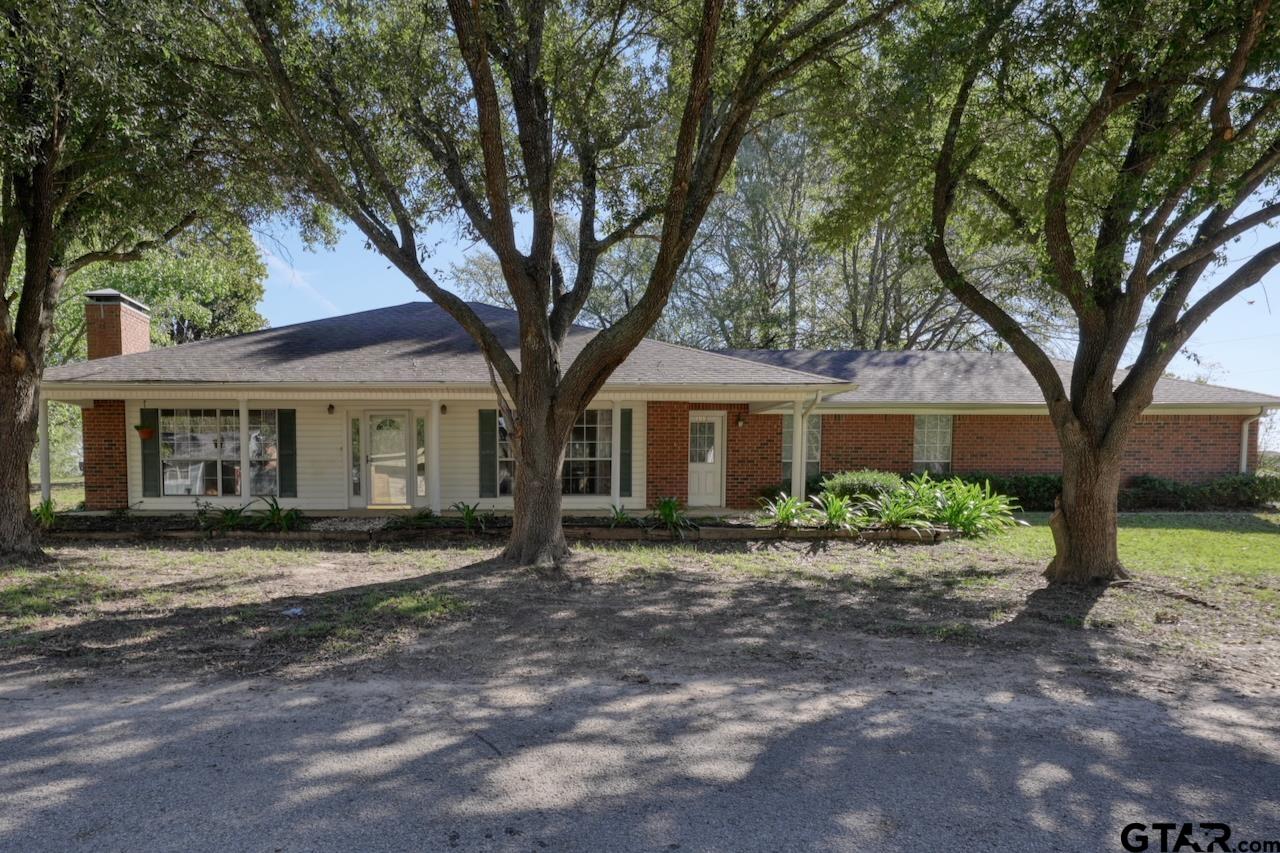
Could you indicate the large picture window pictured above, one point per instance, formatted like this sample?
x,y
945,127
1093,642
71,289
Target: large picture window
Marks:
x,y
200,452
812,447
588,460
933,444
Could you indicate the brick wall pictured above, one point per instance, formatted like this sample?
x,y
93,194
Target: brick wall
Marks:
x,y
115,329
106,484
880,442
753,452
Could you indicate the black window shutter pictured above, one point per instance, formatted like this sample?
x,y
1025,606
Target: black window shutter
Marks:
x,y
287,423
624,454
150,419
488,453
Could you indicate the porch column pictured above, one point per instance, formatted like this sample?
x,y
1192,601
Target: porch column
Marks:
x,y
433,456
246,490
615,455
797,449
46,481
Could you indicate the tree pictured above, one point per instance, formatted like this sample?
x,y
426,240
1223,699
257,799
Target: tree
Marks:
x,y
206,283
1127,145
510,116
105,154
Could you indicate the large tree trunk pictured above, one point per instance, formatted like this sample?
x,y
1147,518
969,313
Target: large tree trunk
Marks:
x,y
537,532
18,412
1084,521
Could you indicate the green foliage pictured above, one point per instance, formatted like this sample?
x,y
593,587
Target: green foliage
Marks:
x,y
971,509
1033,492
1238,491
668,513
858,485
414,521
275,517
786,512
905,508
812,487
44,513
619,517
835,512
221,518
472,519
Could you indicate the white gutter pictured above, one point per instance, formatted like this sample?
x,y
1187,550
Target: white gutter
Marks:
x,y
1244,439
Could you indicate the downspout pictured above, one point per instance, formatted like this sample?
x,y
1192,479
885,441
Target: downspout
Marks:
x,y
1244,439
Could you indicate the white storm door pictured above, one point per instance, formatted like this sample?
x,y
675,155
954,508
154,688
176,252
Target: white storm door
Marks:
x,y
388,459
706,460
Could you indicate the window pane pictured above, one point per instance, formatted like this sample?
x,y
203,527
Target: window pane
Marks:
x,y
702,442
230,478
229,434
422,457
588,456
506,476
355,457
263,477
932,445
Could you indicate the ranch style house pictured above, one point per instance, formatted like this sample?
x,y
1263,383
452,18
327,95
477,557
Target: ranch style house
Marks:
x,y
393,409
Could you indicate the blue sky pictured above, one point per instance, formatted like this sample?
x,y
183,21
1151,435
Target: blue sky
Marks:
x,y
1239,346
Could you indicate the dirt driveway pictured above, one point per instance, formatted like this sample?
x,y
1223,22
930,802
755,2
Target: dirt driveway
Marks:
x,y
806,699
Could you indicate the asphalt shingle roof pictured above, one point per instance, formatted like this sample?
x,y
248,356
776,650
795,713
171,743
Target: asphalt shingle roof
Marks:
x,y
415,343
933,377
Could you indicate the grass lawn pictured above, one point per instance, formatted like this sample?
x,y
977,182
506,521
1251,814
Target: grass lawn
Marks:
x,y
66,496
1205,597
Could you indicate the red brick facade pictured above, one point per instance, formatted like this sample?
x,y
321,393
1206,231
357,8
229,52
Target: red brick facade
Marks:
x,y
1190,448
882,442
106,484
753,452
115,328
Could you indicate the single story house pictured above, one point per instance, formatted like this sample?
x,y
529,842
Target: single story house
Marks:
x,y
393,409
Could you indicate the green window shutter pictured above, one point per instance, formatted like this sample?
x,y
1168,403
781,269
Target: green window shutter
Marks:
x,y
287,424
150,419
488,453
624,454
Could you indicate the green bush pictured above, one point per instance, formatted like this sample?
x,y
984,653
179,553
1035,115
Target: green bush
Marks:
x,y
1033,492
862,485
905,508
787,512
1238,491
968,508
835,512
812,487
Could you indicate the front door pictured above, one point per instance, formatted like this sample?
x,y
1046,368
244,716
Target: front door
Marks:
x,y
706,460
388,459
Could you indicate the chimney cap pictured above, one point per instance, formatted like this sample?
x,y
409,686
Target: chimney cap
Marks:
x,y
107,296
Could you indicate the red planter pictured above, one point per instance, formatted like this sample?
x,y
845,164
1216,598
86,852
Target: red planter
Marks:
x,y
146,433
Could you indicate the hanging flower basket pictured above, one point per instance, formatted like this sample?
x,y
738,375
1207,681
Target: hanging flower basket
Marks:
x,y
145,433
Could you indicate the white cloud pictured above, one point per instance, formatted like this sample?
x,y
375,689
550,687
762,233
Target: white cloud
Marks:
x,y
293,278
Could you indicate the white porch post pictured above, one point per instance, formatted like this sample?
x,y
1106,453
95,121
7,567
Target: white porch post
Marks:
x,y
46,478
246,481
433,456
797,449
615,455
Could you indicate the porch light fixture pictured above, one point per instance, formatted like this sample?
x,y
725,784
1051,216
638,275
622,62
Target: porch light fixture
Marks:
x,y
331,409
742,421
444,410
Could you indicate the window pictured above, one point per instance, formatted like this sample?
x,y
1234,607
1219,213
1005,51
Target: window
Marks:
x,y
200,452
702,442
355,457
812,448
933,444
588,460
422,457
264,452
506,462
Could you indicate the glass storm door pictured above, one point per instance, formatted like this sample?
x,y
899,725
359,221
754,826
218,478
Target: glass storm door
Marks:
x,y
388,460
706,460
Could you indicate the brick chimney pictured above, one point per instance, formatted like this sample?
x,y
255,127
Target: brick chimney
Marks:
x,y
115,324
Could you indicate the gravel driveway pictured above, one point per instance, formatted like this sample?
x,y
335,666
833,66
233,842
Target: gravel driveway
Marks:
x,y
913,759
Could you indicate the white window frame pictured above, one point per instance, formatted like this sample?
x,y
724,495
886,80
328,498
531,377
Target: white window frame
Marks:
x,y
931,444
506,473
812,449
227,423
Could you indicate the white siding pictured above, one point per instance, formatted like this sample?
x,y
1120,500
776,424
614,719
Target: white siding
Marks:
x,y
460,459
324,456
322,441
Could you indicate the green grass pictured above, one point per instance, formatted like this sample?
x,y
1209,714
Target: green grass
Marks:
x,y
66,496
29,594
1199,545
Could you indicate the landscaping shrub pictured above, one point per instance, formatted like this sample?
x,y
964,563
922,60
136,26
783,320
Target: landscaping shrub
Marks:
x,y
835,512
860,485
812,486
669,513
1033,492
1238,491
787,512
903,509
968,508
